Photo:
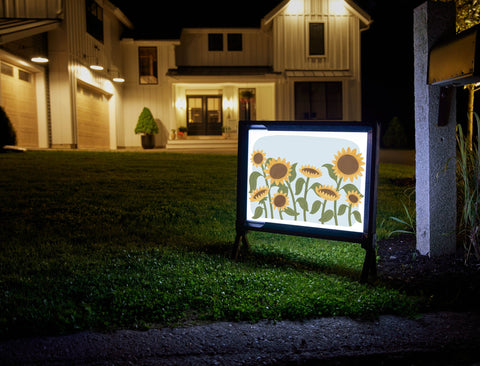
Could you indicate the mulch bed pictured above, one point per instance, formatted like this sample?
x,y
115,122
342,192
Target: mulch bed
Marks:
x,y
445,282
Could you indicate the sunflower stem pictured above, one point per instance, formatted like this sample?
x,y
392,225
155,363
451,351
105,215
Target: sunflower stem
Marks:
x,y
305,196
269,196
323,211
335,202
293,199
349,215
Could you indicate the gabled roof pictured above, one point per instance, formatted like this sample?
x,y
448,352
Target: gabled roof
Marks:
x,y
365,19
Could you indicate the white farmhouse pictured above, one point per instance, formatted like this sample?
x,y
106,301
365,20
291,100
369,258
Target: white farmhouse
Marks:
x,y
302,63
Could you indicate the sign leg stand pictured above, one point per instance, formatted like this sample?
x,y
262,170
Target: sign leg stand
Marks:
x,y
370,263
241,242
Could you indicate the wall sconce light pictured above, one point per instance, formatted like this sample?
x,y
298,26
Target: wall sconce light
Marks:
x,y
39,59
96,64
116,77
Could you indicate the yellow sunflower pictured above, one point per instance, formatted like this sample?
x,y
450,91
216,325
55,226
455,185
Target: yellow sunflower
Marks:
x,y
327,192
310,171
278,171
258,157
353,198
348,164
280,201
259,194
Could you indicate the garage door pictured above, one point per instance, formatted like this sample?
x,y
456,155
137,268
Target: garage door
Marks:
x,y
19,102
92,118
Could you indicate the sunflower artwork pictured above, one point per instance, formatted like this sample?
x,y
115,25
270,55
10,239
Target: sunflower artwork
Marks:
x,y
311,181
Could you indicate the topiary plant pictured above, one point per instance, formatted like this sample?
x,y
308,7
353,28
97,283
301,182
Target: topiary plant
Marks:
x,y
8,135
146,123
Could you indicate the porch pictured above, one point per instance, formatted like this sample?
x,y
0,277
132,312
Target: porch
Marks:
x,y
204,143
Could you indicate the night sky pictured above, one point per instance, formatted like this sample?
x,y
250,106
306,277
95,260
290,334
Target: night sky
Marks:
x,y
387,47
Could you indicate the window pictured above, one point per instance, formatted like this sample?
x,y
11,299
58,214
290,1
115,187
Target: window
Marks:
x,y
234,41
94,20
7,69
24,75
147,65
247,106
318,101
316,39
215,42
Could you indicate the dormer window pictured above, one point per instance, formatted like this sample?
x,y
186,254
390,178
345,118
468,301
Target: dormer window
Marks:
x,y
215,42
94,20
316,39
234,42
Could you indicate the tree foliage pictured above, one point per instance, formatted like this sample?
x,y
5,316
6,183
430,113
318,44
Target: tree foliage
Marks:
x,y
146,123
468,13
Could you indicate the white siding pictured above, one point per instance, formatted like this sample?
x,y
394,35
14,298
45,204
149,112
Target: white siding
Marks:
x,y
193,50
341,61
71,51
291,33
156,97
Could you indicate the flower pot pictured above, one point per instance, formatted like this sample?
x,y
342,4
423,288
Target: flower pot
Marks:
x,y
148,141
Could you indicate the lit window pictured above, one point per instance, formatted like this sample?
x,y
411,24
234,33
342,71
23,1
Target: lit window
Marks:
x,y
147,65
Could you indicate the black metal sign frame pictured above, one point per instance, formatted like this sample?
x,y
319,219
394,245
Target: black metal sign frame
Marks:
x,y
309,178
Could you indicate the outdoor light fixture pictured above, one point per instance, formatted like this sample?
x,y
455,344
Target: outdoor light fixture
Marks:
x,y
39,59
96,67
96,64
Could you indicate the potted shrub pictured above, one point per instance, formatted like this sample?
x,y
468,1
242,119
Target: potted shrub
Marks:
x,y
148,127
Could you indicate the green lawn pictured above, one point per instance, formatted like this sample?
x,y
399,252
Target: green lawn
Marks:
x,y
116,239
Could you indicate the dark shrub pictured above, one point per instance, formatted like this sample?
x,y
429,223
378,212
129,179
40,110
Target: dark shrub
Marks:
x,y
7,132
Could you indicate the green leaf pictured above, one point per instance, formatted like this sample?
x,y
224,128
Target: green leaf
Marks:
x,y
253,180
303,203
327,216
299,186
258,212
291,212
293,176
349,188
331,173
358,216
315,207
282,188
342,209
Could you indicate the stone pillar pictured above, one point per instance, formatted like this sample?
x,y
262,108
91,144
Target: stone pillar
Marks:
x,y
434,145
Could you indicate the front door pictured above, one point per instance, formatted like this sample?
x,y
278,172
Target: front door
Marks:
x,y
204,115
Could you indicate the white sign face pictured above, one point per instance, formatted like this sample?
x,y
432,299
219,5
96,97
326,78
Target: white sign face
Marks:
x,y
307,178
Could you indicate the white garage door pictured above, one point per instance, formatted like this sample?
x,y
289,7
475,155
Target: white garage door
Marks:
x,y
19,102
92,118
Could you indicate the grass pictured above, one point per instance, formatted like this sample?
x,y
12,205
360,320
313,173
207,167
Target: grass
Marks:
x,y
133,240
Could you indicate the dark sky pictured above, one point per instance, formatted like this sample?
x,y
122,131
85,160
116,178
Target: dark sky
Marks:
x,y
387,47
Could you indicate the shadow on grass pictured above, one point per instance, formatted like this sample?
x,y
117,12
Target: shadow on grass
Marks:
x,y
256,257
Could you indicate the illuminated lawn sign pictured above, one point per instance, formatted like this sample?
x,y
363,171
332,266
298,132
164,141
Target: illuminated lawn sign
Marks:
x,y
316,179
